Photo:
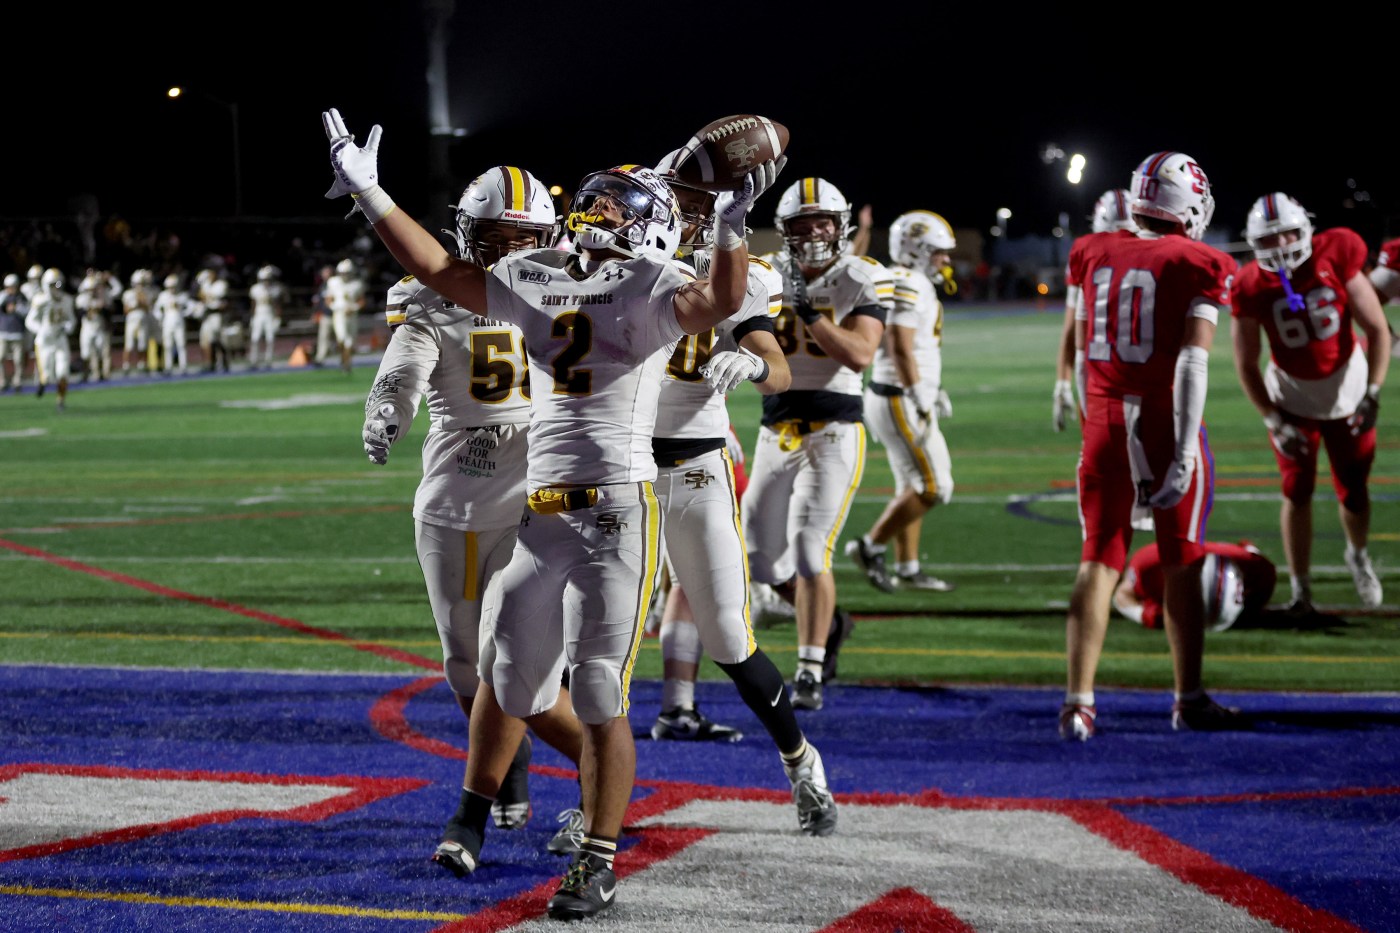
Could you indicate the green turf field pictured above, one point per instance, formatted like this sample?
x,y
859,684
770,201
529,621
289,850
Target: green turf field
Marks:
x,y
234,522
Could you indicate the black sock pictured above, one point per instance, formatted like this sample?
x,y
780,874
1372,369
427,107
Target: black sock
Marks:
x,y
759,685
468,825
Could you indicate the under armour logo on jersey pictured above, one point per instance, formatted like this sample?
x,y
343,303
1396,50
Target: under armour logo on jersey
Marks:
x,y
608,274
608,524
698,479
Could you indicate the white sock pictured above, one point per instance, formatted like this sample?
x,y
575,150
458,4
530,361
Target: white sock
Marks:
x,y
1301,584
677,693
1080,699
907,568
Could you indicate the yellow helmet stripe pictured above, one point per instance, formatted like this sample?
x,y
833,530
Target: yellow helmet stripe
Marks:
x,y
809,191
517,188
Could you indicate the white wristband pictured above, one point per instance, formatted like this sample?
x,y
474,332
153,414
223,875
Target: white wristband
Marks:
x,y
375,202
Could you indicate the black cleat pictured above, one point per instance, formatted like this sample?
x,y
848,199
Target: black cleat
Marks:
x,y
589,887
871,561
806,691
691,725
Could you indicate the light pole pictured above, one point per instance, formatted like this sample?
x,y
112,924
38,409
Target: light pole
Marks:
x,y
232,107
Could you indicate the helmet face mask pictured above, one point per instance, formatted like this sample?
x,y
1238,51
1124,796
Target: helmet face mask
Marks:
x,y
1270,219
498,210
1111,212
629,209
1222,592
1171,186
819,243
696,205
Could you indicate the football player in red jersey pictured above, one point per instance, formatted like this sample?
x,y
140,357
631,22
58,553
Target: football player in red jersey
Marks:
x,y
1237,581
1386,278
1321,384
1149,303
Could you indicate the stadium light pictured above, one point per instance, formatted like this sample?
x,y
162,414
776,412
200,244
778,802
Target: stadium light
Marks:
x,y
1075,172
176,92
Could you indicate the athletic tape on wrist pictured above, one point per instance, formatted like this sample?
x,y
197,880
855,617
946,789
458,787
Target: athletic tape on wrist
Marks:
x,y
726,238
375,202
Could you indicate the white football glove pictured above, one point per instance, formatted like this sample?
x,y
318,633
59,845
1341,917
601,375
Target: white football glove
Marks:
x,y
1174,485
380,432
356,168
943,405
732,207
1286,438
924,398
727,368
1063,408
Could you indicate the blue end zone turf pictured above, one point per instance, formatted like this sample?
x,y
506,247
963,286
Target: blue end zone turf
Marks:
x,y
1307,801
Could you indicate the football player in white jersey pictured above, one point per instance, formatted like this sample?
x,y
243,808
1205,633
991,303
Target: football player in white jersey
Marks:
x,y
269,298
707,608
467,508
346,296
173,310
597,324
904,401
138,301
810,454
211,292
51,319
94,335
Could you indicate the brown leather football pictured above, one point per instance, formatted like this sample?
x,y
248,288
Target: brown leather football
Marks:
x,y
723,151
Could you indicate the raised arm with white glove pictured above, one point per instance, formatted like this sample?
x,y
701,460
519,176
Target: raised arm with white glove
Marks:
x,y
732,207
356,167
1189,407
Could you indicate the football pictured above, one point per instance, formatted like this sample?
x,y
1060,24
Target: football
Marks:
x,y
723,151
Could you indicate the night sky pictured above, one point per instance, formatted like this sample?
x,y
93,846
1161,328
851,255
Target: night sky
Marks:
x,y
901,106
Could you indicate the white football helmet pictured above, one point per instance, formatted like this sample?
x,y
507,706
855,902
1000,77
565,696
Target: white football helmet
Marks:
x,y
142,277
917,235
1271,215
269,273
345,267
700,220
817,197
1222,592
1171,186
1111,212
11,281
51,279
503,196
172,281
35,271
651,222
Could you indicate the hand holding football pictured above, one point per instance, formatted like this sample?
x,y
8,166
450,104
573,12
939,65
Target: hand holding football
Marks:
x,y
724,151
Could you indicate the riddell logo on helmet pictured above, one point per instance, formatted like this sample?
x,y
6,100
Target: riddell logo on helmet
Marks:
x,y
514,215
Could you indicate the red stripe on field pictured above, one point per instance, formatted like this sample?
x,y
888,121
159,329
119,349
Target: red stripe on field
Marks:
x,y
1254,895
383,651
902,909
359,792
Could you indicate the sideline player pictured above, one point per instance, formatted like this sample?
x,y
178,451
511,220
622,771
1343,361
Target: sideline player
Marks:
x,y
269,299
707,608
467,507
810,454
1143,329
596,323
346,296
14,306
904,401
173,309
1321,386
51,319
